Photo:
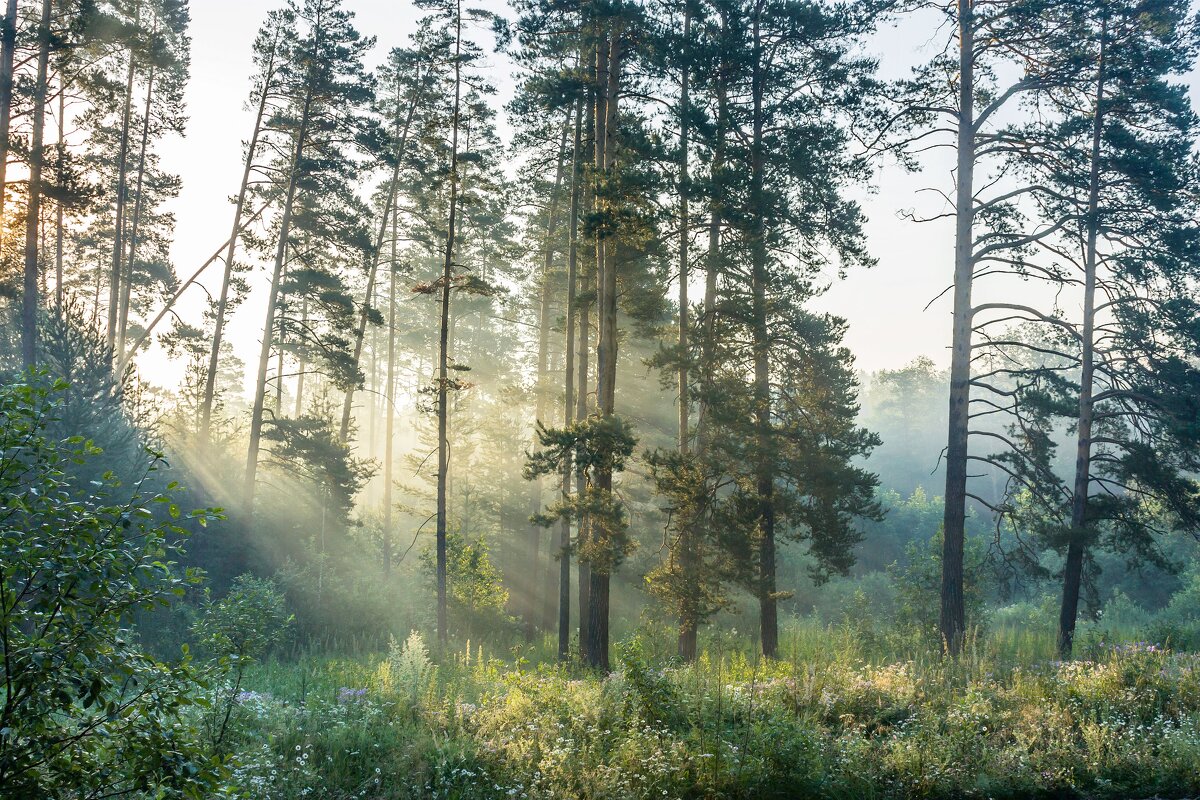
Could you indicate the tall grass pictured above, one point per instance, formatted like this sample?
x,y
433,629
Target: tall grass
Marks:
x,y
840,715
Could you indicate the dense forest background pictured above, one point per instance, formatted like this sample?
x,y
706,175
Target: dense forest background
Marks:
x,y
555,373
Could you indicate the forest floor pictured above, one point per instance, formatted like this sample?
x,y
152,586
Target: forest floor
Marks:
x,y
834,718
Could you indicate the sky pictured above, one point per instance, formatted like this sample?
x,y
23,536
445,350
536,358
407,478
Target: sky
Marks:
x,y
885,306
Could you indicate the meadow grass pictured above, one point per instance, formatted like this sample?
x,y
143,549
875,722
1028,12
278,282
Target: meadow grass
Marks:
x,y
839,715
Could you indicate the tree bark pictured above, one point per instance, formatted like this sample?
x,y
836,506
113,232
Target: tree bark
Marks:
x,y
59,217
1073,568
389,409
37,155
264,353
443,633
541,390
953,617
689,616
210,377
564,535
389,207
118,250
138,204
609,71
8,49
765,478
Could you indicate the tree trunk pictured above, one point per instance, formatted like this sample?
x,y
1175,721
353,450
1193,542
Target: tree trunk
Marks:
x,y
953,617
59,220
1073,568
443,633
541,390
564,534
765,478
138,204
389,207
302,363
389,397
689,614
264,353
118,250
37,155
210,378
609,71
581,396
8,49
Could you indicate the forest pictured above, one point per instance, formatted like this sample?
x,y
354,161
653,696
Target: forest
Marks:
x,y
506,438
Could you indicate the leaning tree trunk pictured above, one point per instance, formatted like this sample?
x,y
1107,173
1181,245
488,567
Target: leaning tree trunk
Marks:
x,y
210,377
953,617
8,49
37,156
264,353
1073,568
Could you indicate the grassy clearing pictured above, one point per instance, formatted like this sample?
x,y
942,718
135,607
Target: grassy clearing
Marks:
x,y
835,719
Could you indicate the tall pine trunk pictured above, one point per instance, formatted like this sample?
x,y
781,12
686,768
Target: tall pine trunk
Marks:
x,y
8,49
118,249
264,353
389,400
210,376
608,71
59,220
541,389
443,632
953,617
138,205
376,253
37,156
689,613
765,477
564,535
1073,568
581,396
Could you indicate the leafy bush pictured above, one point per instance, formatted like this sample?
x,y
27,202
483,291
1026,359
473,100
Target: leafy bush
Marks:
x,y
238,630
86,711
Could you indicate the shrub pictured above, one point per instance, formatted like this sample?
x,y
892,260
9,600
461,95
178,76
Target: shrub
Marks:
x,y
86,711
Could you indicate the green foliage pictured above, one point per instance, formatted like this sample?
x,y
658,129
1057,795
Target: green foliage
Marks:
x,y
85,708
593,446
239,630
244,624
476,591
919,585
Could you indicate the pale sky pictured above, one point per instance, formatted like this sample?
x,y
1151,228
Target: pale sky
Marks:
x,y
884,305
